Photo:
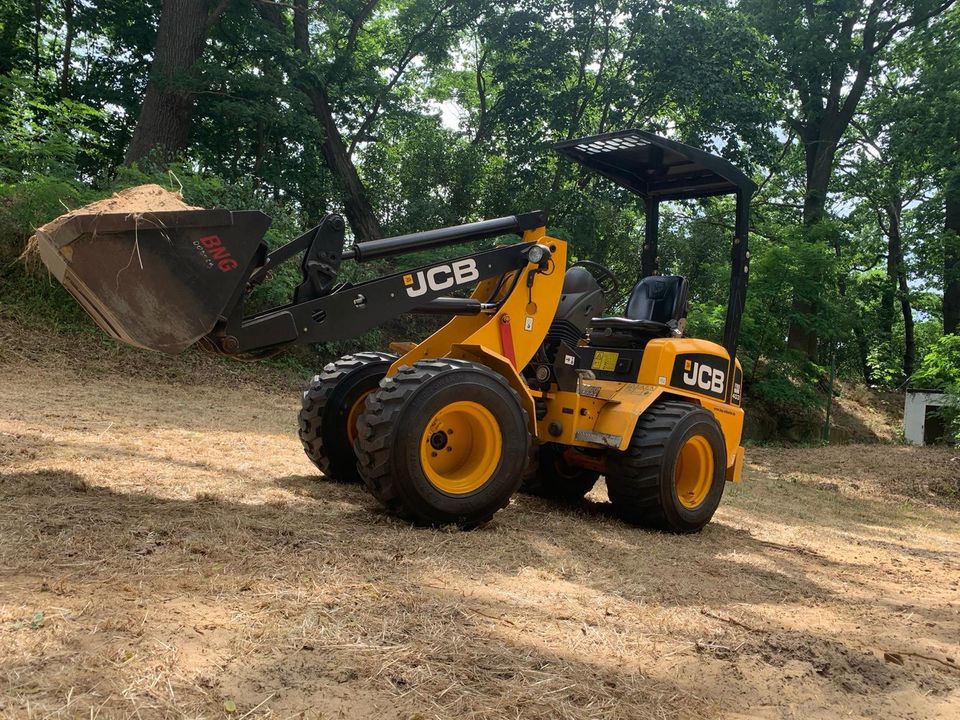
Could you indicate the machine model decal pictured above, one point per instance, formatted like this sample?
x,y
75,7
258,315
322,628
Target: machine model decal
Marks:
x,y
441,277
701,373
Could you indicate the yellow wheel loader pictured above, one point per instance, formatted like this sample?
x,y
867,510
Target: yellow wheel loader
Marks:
x,y
528,382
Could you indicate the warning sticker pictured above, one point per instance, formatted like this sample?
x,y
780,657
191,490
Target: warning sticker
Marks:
x,y
603,360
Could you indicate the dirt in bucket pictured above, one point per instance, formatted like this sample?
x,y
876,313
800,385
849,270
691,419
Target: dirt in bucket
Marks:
x,y
139,199
134,201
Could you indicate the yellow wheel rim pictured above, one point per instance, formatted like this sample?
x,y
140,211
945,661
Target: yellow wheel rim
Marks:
x,y
694,474
354,415
460,447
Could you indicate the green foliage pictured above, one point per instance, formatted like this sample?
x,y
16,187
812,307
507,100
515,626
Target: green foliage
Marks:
x,y
785,394
951,414
789,386
886,367
448,111
793,266
940,369
26,205
40,137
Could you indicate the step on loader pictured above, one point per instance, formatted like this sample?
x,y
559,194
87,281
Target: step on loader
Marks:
x,y
528,382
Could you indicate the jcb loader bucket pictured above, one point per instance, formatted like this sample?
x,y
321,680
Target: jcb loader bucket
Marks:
x,y
159,280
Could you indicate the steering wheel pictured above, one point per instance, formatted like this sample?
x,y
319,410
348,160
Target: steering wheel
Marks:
x,y
605,278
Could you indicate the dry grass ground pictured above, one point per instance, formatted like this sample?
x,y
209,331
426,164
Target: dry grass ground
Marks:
x,y
166,550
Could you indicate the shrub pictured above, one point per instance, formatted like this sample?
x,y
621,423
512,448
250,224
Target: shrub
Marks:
x,y
940,368
29,204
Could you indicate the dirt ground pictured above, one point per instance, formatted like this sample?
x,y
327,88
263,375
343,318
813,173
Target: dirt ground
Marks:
x,y
166,550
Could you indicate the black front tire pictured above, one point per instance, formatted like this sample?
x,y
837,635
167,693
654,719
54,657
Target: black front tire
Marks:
x,y
327,407
642,480
397,425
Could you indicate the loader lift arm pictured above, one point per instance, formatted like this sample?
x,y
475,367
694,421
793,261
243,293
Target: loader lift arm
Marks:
x,y
323,310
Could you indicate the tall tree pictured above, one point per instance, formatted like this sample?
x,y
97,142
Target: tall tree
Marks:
x,y
829,52
352,61
66,60
163,125
885,176
931,136
541,71
359,211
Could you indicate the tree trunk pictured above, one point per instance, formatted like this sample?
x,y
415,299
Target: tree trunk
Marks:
x,y
820,149
887,296
67,48
863,351
37,32
482,115
897,281
888,292
909,340
163,126
951,256
830,92
356,206
363,221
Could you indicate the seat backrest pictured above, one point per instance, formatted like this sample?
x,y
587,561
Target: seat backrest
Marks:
x,y
661,298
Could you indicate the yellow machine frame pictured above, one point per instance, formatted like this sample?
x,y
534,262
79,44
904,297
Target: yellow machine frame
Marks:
x,y
601,414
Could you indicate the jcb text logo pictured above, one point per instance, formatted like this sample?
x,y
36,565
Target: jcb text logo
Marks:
x,y
441,277
703,377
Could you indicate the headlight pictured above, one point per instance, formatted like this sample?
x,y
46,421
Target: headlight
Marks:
x,y
536,254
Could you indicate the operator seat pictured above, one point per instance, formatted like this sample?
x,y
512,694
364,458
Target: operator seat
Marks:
x,y
657,308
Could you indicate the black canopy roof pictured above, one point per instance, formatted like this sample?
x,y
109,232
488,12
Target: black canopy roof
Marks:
x,y
655,167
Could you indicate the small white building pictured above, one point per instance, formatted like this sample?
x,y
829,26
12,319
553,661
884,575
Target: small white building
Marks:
x,y
917,406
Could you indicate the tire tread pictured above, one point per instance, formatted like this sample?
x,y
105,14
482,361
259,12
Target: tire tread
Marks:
x,y
633,476
380,416
314,402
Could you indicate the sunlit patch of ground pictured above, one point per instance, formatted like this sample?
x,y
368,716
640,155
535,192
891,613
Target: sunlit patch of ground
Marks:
x,y
167,550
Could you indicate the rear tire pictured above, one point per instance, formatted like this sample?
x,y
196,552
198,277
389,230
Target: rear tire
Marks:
x,y
443,442
556,479
331,405
671,477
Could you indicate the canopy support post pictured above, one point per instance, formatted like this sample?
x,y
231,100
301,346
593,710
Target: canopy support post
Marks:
x,y
739,268
648,255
